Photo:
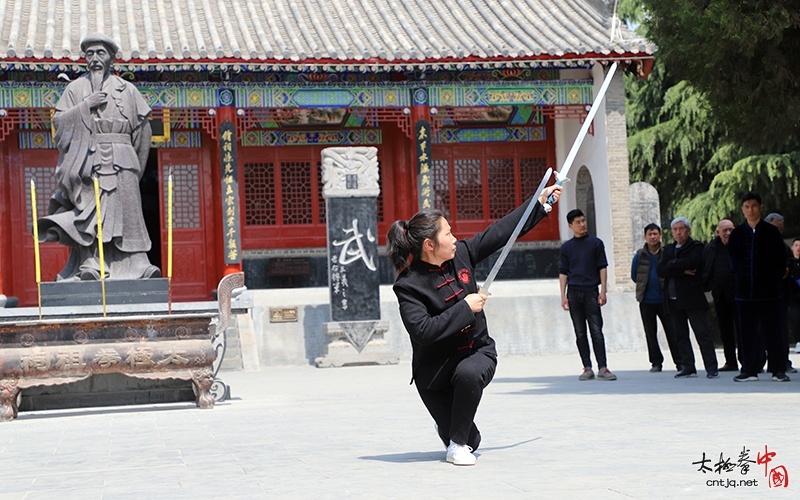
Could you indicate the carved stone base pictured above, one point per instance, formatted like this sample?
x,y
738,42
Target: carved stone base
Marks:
x,y
9,389
355,343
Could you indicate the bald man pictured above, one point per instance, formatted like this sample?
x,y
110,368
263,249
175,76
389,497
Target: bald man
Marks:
x,y
718,277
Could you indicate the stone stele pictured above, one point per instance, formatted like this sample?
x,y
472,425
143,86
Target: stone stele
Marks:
x,y
355,330
645,209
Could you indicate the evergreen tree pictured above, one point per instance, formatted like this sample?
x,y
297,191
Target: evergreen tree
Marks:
x,y
743,54
683,137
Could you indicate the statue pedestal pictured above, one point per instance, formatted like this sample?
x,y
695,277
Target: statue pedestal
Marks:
x,y
354,343
89,293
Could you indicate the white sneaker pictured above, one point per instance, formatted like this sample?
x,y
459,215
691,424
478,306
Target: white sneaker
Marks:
x,y
460,454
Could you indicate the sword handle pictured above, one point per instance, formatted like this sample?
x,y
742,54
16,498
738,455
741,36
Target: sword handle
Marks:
x,y
551,199
548,205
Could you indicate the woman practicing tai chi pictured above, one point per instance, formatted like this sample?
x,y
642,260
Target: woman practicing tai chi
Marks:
x,y
454,356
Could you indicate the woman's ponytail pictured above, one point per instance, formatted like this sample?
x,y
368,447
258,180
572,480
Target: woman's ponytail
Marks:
x,y
397,244
405,238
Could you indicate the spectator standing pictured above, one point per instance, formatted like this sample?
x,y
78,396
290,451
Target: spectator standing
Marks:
x,y
794,304
651,299
758,258
718,278
681,267
788,286
582,268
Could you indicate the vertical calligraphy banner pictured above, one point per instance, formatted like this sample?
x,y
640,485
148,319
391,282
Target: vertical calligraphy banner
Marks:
x,y
230,193
422,147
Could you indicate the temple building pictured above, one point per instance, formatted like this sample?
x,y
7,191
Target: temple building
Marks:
x,y
467,101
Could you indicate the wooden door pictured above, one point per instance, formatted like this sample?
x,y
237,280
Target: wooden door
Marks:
x,y
39,165
193,263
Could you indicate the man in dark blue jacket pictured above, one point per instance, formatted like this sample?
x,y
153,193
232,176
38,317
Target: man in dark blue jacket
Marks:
x,y
758,259
681,267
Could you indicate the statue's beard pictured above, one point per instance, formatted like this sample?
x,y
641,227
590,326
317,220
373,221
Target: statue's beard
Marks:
x,y
97,77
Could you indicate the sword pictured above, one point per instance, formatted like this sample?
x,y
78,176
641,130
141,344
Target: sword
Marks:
x,y
561,177
497,265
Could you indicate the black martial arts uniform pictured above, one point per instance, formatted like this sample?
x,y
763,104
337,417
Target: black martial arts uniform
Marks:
x,y
454,356
758,260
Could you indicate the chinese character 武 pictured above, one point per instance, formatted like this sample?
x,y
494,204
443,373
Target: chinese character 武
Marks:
x,y
348,256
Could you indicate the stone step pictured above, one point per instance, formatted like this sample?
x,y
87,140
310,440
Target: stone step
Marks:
x,y
231,364
233,351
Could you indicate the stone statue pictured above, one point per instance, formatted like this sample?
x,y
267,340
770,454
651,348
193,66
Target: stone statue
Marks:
x,y
102,130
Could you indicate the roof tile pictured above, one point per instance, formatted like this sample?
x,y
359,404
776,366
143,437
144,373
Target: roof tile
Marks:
x,y
313,31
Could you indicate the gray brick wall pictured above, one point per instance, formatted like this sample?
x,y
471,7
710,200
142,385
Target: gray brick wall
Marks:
x,y
617,147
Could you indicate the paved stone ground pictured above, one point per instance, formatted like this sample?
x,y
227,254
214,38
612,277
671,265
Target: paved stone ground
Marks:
x,y
362,433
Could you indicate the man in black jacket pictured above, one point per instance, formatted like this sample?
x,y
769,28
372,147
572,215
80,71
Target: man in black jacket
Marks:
x,y
681,267
758,258
718,278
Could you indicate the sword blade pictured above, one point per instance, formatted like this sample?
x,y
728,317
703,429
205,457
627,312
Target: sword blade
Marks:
x,y
561,175
514,235
573,152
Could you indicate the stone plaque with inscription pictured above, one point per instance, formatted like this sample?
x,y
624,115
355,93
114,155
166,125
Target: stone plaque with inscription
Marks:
x,y
350,176
350,191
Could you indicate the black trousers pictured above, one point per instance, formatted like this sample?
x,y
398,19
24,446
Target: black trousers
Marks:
x,y
760,322
454,407
725,307
650,313
793,324
583,309
697,317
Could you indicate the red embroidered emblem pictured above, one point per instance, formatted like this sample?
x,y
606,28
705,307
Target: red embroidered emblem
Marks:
x,y
463,275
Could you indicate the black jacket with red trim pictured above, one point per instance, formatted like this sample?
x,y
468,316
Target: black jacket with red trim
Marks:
x,y
442,327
